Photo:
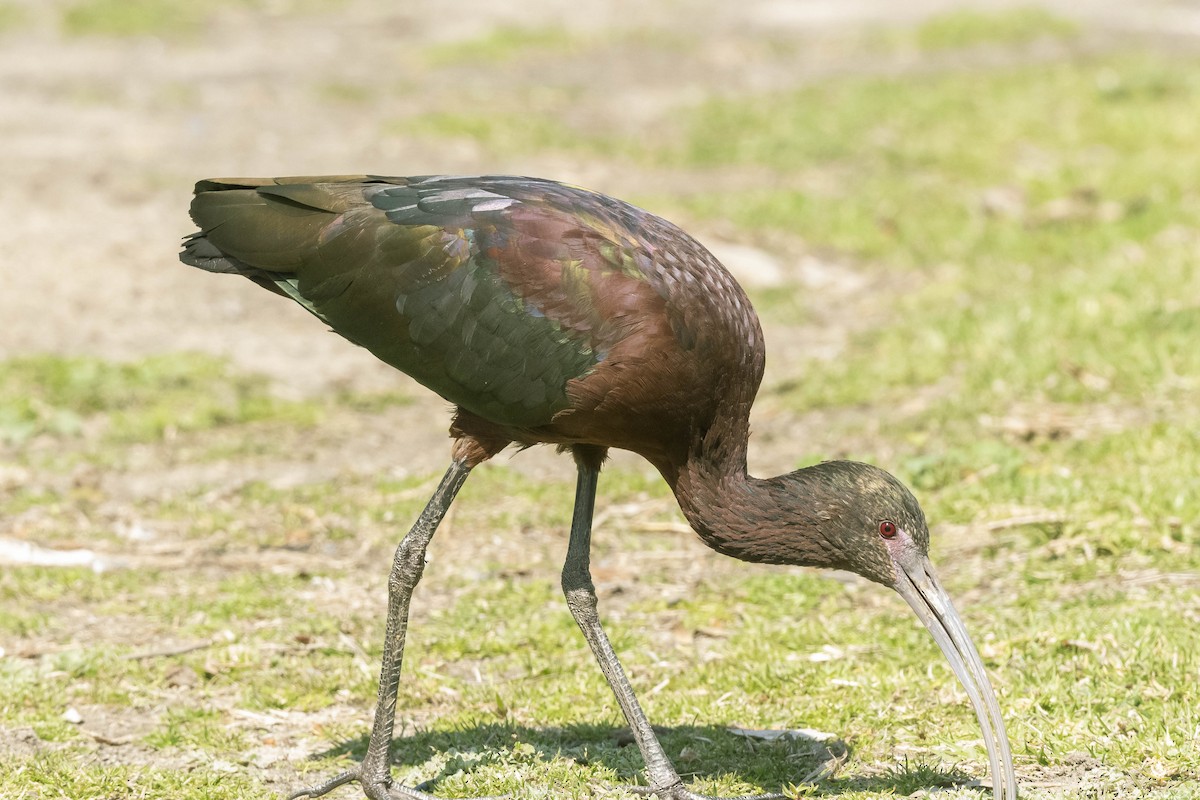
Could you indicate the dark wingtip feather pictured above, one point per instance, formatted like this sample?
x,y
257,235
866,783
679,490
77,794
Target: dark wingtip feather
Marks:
x,y
199,252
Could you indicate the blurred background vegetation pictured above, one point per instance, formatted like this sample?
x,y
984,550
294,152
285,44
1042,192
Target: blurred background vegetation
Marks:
x,y
971,230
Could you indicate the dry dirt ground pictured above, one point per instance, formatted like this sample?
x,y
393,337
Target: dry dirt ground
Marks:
x,y
101,139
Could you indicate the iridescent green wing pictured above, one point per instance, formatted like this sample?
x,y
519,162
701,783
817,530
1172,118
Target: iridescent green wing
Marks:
x,y
494,292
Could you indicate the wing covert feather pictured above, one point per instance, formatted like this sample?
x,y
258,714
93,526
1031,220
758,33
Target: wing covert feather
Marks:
x,y
414,272
514,298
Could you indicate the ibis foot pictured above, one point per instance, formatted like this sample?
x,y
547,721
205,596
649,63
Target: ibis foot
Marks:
x,y
678,791
375,790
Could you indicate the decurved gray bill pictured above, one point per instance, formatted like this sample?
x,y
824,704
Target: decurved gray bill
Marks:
x,y
919,586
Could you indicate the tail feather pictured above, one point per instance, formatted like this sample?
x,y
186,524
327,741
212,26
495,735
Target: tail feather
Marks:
x,y
258,229
198,251
262,229
254,225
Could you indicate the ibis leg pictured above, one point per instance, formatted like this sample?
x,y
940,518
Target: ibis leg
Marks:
x,y
374,774
581,599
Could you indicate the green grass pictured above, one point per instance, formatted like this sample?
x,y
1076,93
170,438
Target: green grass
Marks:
x,y
1007,28
512,133
132,17
60,774
517,694
12,17
167,18
1078,298
897,168
345,93
135,401
197,728
1024,357
521,45
1075,295
502,44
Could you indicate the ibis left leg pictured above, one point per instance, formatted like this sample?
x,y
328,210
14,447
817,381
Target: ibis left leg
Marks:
x,y
581,599
374,774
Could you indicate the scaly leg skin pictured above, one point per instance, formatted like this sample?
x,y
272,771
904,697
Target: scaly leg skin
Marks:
x,y
374,773
577,585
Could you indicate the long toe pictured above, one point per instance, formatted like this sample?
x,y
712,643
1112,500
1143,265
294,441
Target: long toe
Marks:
x,y
349,776
373,790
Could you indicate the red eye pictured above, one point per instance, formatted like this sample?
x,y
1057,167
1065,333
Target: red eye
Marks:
x,y
887,529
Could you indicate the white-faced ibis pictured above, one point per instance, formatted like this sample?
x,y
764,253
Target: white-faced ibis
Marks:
x,y
550,314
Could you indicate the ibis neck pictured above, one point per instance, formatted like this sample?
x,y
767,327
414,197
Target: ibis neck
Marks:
x,y
780,520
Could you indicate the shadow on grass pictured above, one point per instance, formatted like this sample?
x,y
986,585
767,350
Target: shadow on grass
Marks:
x,y
699,752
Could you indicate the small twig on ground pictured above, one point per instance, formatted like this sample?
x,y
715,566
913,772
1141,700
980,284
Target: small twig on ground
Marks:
x,y
828,768
1153,576
178,650
361,659
1042,518
114,741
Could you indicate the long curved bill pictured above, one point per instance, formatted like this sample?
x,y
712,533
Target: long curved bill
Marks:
x,y
920,587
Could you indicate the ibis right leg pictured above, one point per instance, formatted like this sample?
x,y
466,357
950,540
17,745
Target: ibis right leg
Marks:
x,y
374,773
665,782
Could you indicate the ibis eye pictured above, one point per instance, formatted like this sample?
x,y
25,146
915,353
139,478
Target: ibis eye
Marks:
x,y
887,529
